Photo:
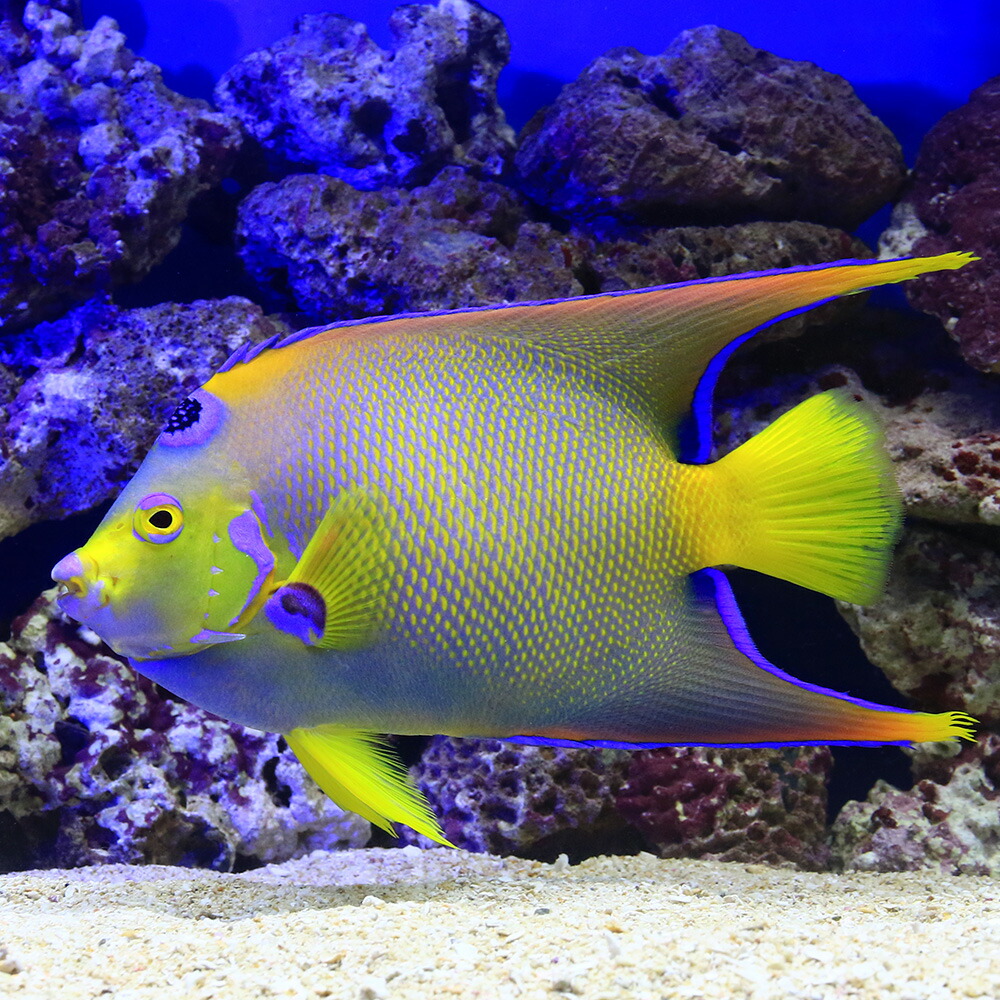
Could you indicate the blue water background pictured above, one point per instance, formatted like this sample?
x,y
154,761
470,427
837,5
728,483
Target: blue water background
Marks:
x,y
910,62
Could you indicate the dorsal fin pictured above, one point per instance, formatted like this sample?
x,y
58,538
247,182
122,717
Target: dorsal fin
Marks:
x,y
659,340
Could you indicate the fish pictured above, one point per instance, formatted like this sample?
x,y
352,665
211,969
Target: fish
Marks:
x,y
478,523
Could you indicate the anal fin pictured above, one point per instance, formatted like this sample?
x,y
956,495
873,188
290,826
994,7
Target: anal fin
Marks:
x,y
720,691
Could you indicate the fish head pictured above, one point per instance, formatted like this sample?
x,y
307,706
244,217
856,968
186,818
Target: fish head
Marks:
x,y
179,562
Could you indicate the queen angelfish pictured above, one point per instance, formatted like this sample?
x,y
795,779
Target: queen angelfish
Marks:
x,y
475,523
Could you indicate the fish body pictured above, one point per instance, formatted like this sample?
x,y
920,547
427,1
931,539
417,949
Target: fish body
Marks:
x,y
476,523
529,508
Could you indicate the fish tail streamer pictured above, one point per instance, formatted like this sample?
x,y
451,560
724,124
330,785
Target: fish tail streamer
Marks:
x,y
811,499
360,773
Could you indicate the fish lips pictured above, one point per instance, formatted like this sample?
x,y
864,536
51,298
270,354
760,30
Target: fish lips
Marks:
x,y
89,607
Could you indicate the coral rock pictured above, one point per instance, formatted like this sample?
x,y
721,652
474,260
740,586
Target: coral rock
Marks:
x,y
948,822
98,163
941,419
935,632
954,204
945,444
82,398
713,130
328,98
732,805
663,256
509,799
98,765
316,244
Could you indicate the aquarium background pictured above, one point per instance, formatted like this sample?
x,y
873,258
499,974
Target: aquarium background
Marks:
x,y
910,63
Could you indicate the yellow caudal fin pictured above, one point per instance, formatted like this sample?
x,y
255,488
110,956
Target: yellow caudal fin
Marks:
x,y
360,773
811,499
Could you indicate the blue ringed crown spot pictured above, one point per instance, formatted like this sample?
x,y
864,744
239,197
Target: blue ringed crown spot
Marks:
x,y
194,421
158,518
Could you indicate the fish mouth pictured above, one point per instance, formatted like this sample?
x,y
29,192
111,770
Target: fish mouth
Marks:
x,y
85,594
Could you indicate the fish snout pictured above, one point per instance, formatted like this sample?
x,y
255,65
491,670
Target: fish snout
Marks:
x,y
69,571
84,593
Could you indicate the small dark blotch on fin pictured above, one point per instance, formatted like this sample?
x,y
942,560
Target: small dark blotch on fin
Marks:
x,y
299,610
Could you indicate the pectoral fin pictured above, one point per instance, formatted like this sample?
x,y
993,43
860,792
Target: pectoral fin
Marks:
x,y
335,597
359,772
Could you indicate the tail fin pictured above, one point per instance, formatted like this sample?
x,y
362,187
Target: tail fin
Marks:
x,y
811,499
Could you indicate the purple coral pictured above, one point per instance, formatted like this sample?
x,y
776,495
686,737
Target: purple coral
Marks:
x,y
98,163
99,765
509,799
87,394
733,805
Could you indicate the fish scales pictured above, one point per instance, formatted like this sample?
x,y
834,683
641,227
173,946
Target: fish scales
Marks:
x,y
531,501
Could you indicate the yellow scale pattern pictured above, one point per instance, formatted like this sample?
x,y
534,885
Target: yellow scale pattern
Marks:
x,y
533,530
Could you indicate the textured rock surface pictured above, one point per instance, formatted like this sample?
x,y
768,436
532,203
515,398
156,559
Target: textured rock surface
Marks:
x,y
508,799
315,244
99,765
731,805
98,163
949,821
954,204
328,98
945,443
318,246
82,398
713,130
935,632
662,256
941,420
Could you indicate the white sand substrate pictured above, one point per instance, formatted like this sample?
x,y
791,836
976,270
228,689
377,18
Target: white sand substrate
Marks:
x,y
374,924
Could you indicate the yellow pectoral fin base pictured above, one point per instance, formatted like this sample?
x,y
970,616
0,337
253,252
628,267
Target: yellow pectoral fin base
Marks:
x,y
335,597
811,499
360,773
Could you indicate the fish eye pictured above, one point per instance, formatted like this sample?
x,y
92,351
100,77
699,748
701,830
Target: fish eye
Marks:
x,y
162,519
158,518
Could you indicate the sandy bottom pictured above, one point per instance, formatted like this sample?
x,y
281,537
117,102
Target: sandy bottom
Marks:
x,y
390,924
